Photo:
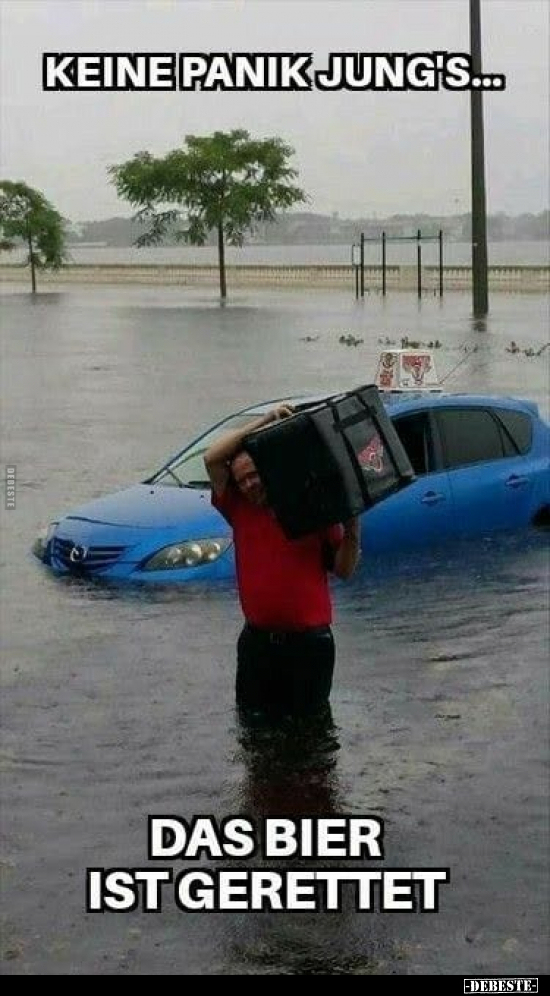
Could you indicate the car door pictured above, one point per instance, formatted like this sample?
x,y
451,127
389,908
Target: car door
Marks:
x,y
421,514
489,478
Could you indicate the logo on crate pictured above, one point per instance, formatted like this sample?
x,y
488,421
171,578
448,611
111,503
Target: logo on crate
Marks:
x,y
371,456
418,365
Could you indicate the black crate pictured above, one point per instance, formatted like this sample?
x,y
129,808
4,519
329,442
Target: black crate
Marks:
x,y
329,462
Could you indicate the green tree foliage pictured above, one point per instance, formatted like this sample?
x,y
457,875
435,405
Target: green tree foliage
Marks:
x,y
225,182
27,216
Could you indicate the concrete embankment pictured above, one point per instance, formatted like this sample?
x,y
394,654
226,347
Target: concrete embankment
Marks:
x,y
510,278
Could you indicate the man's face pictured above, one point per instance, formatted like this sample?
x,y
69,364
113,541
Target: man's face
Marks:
x,y
247,479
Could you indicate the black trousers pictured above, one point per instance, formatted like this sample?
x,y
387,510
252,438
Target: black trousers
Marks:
x,y
284,673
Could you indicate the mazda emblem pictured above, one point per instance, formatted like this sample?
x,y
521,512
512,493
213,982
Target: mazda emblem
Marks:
x,y
78,554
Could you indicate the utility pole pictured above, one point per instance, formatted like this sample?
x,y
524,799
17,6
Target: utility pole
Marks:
x,y
479,207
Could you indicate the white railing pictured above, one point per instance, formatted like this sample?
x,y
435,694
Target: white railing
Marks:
x,y
511,277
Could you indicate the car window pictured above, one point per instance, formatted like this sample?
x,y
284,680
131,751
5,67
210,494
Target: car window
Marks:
x,y
469,435
517,431
414,432
188,470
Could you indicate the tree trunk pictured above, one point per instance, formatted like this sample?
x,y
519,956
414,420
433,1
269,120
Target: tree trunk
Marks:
x,y
31,258
221,262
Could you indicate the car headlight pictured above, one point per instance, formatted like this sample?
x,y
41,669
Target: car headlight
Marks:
x,y
44,536
189,553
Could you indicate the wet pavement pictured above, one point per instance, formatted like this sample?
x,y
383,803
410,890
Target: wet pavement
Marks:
x,y
117,703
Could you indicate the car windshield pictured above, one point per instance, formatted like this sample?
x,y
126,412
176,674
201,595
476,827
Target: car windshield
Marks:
x,y
187,470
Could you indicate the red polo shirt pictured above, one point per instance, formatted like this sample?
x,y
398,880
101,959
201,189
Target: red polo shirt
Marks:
x,y
283,583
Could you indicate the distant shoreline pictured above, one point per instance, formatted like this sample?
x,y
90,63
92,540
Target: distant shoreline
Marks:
x,y
510,278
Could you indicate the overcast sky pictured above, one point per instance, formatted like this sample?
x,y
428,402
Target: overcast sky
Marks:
x,y
358,153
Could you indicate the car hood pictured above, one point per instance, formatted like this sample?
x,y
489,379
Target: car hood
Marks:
x,y
147,506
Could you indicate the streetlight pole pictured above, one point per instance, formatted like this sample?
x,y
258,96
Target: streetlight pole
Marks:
x,y
479,207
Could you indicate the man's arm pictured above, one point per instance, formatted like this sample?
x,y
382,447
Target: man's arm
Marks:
x,y
219,455
348,553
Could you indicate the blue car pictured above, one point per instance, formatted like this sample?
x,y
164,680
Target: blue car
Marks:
x,y
481,463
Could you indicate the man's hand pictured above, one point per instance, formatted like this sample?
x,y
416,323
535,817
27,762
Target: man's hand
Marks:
x,y
280,412
351,528
348,553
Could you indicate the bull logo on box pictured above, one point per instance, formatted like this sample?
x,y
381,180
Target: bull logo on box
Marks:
x,y
417,364
372,456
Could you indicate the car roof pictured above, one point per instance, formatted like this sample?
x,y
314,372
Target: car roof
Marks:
x,y
400,402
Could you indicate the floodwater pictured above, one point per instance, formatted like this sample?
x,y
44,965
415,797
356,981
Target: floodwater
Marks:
x,y
117,703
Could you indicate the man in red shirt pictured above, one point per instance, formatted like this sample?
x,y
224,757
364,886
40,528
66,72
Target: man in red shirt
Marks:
x,y
285,653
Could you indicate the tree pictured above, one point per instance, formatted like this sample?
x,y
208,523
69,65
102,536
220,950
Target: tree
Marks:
x,y
226,182
27,216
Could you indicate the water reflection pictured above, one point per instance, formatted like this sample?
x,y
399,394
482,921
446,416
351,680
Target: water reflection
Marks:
x,y
290,766
305,948
48,297
291,770
479,323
